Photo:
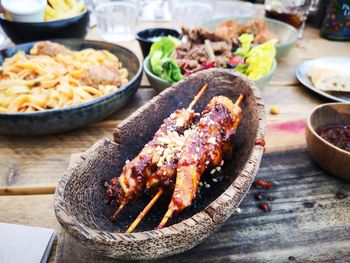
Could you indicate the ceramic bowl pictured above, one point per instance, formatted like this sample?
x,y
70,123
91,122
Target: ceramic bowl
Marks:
x,y
21,32
79,200
287,34
160,84
68,118
331,158
148,36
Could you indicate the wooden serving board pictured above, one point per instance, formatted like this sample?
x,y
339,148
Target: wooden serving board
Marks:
x,y
309,220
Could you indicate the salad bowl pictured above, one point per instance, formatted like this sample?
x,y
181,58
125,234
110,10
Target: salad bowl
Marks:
x,y
160,84
171,60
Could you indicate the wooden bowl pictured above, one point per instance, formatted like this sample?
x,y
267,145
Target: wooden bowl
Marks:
x,y
80,195
331,158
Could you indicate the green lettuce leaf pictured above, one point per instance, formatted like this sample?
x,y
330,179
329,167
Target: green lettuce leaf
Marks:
x,y
162,63
246,41
258,59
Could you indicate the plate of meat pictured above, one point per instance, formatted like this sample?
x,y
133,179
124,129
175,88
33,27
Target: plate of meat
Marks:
x,y
263,29
175,171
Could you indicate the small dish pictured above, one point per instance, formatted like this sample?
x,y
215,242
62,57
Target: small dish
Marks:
x,y
287,34
32,11
148,36
302,75
160,84
68,118
21,32
334,160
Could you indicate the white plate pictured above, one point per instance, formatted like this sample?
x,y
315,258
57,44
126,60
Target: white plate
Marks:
x,y
302,76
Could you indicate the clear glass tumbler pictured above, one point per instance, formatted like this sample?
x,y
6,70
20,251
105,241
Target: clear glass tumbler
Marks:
x,y
293,12
117,19
191,13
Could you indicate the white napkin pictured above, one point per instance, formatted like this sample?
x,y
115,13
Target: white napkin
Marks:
x,y
20,243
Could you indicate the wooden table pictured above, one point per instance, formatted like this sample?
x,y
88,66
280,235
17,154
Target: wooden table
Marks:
x,y
294,229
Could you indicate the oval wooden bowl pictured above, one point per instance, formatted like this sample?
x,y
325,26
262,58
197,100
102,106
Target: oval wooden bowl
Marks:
x,y
331,158
79,198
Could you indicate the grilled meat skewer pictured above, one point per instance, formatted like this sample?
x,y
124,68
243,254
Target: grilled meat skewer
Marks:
x,y
204,148
132,182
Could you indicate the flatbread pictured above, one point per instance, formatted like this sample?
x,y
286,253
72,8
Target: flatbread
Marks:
x,y
330,78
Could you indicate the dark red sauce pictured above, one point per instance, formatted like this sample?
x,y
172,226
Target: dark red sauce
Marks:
x,y
295,20
337,135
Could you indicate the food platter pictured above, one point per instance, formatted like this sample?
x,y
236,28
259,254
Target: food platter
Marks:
x,y
302,75
79,199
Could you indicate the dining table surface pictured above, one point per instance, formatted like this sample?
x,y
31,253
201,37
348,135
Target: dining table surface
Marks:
x,y
309,218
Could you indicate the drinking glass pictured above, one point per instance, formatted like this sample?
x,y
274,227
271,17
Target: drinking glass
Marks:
x,y
191,13
293,12
117,19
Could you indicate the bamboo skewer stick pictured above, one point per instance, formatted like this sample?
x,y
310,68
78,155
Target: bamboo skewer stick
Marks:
x,y
165,219
145,211
198,96
120,208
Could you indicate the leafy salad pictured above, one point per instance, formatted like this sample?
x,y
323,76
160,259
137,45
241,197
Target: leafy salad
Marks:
x,y
161,60
254,61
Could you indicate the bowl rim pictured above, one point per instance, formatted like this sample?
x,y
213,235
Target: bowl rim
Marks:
x,y
88,103
83,232
44,23
139,38
147,69
315,134
292,41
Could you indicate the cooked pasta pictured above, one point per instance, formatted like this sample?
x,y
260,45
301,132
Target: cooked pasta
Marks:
x,y
52,77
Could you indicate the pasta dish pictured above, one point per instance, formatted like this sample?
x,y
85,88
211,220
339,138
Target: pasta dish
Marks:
x,y
53,76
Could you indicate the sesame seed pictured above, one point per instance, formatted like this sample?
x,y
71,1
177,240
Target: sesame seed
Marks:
x,y
212,140
207,186
200,184
212,171
238,210
222,163
218,168
214,180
